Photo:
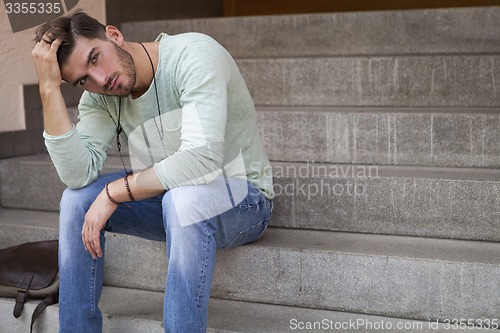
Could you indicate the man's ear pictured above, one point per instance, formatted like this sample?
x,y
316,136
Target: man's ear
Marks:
x,y
114,35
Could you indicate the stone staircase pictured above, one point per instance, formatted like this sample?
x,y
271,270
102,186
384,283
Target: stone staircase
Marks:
x,y
383,129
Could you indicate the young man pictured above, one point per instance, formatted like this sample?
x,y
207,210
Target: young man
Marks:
x,y
202,180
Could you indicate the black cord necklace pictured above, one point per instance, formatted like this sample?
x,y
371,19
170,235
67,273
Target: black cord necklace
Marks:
x,y
119,128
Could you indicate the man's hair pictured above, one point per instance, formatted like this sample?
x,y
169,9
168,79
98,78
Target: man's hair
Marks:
x,y
69,28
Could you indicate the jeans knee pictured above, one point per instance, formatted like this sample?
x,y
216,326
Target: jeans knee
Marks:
x,y
73,207
82,198
187,205
184,207
169,208
74,200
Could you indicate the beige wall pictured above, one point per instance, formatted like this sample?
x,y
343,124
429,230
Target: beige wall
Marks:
x,y
16,67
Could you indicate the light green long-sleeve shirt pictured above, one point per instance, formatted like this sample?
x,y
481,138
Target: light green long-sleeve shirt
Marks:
x,y
208,118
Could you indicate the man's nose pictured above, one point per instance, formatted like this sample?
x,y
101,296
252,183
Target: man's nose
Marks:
x,y
99,77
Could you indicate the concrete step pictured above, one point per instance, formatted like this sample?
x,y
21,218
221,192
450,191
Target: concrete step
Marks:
x,y
426,202
366,81
224,317
395,276
444,137
465,30
414,201
31,182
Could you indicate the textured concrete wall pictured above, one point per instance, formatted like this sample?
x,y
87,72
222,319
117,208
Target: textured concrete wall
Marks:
x,y
16,67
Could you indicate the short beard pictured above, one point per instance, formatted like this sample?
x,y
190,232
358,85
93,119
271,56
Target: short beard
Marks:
x,y
128,65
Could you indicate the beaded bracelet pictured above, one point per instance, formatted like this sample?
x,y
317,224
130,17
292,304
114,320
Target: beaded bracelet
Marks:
x,y
109,196
128,187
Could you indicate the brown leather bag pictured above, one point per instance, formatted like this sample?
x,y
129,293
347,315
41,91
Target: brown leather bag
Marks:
x,y
30,270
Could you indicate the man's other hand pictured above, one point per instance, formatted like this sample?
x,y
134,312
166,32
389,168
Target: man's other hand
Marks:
x,y
95,220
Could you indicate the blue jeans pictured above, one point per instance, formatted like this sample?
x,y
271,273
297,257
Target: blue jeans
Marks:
x,y
191,246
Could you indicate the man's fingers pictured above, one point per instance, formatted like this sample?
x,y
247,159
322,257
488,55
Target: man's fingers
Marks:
x,y
84,239
89,242
41,45
48,40
96,244
90,247
97,248
54,46
48,36
46,46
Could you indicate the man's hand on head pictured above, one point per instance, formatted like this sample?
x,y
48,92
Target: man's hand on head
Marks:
x,y
44,56
55,115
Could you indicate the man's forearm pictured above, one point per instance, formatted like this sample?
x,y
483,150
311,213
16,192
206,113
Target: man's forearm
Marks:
x,y
143,185
44,54
55,114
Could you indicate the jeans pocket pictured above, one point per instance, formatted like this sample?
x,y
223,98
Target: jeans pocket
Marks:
x,y
250,234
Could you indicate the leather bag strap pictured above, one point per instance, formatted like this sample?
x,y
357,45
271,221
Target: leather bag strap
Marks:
x,y
22,294
49,300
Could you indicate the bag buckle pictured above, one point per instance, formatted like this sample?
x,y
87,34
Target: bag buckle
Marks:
x,y
22,294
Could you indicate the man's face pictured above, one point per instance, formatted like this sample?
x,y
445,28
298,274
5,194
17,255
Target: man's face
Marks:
x,y
101,67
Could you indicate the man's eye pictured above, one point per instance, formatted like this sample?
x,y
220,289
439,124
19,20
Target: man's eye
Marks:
x,y
94,58
82,80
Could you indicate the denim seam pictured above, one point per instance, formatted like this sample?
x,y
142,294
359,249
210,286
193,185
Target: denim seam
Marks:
x,y
205,265
92,289
241,206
